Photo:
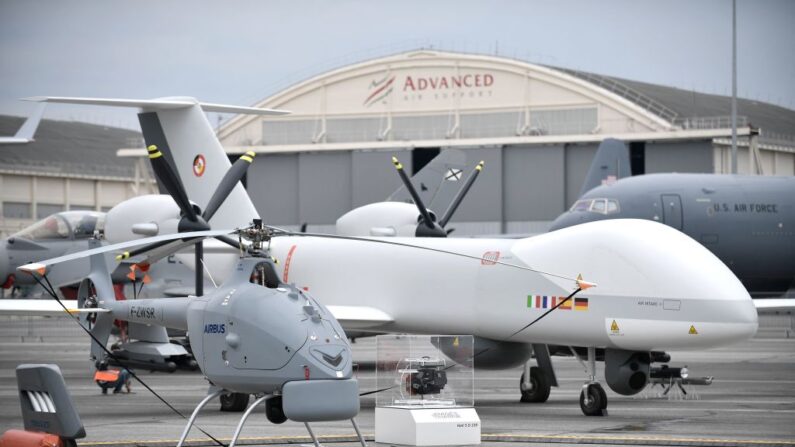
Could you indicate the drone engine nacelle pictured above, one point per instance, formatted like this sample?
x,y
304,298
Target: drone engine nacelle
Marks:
x,y
381,219
488,354
142,216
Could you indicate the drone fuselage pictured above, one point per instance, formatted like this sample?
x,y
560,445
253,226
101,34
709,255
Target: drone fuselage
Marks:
x,y
251,337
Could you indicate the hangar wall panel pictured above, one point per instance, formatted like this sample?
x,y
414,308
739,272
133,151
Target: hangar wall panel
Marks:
x,y
17,188
484,202
50,190
534,185
81,192
272,184
373,175
324,186
578,161
694,156
785,164
112,193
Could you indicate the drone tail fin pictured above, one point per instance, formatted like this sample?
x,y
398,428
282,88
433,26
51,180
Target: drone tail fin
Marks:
x,y
180,130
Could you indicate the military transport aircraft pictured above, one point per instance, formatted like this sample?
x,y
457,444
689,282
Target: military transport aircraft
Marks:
x,y
658,289
746,221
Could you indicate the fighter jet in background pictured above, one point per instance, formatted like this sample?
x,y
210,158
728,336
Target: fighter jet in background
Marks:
x,y
746,221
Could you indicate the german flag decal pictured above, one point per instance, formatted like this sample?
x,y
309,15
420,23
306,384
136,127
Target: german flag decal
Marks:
x,y
580,303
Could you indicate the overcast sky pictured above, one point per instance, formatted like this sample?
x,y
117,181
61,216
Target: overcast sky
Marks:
x,y
238,52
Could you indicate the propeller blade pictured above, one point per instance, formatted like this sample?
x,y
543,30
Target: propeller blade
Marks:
x,y
228,183
199,269
448,214
171,182
426,217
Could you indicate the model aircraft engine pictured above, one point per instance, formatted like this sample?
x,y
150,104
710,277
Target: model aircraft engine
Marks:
x,y
488,354
626,372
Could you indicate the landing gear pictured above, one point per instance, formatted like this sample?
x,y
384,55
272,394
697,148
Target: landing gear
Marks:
x,y
537,381
234,402
593,399
538,389
274,410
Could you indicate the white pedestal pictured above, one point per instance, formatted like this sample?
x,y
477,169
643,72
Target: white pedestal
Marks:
x,y
427,426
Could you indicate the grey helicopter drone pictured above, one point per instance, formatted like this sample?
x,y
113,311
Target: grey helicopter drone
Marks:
x,y
300,366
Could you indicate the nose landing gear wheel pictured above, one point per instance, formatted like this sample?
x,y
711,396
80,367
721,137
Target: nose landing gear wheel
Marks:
x,y
539,387
274,410
596,402
235,402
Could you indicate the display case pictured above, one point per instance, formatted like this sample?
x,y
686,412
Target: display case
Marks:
x,y
425,371
426,390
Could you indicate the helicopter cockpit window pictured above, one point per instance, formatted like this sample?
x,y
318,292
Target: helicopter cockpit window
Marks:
x,y
265,275
599,206
50,228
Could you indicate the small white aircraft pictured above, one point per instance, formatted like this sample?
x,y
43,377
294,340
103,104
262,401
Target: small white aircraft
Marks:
x,y
657,288
28,129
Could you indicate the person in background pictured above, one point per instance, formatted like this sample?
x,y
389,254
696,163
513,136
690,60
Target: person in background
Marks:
x,y
115,378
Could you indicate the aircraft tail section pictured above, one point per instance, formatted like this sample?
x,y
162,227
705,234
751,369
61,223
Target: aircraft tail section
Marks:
x,y
610,163
438,181
179,128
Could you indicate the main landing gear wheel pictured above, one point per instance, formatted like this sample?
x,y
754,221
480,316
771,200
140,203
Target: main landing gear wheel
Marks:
x,y
234,402
538,391
274,411
596,402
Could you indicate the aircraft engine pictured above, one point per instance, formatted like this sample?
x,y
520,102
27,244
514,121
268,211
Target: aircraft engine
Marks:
x,y
380,219
488,354
626,372
142,216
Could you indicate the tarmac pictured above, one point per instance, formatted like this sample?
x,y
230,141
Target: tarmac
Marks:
x,y
751,401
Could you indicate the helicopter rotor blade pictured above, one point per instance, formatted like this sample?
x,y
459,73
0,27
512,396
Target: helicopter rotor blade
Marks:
x,y
41,266
228,183
171,182
448,214
426,216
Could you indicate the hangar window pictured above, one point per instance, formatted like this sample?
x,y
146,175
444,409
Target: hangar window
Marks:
x,y
16,210
45,209
599,206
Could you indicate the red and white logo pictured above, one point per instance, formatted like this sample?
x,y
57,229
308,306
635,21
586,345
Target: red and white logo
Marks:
x,y
490,258
199,165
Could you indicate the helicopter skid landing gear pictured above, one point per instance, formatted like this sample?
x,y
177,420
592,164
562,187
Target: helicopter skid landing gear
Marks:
x,y
201,405
245,416
317,443
593,399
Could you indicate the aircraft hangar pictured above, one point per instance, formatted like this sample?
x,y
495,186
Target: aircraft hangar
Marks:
x,y
537,128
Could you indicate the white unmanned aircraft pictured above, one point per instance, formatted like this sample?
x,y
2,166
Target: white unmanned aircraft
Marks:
x,y
657,288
